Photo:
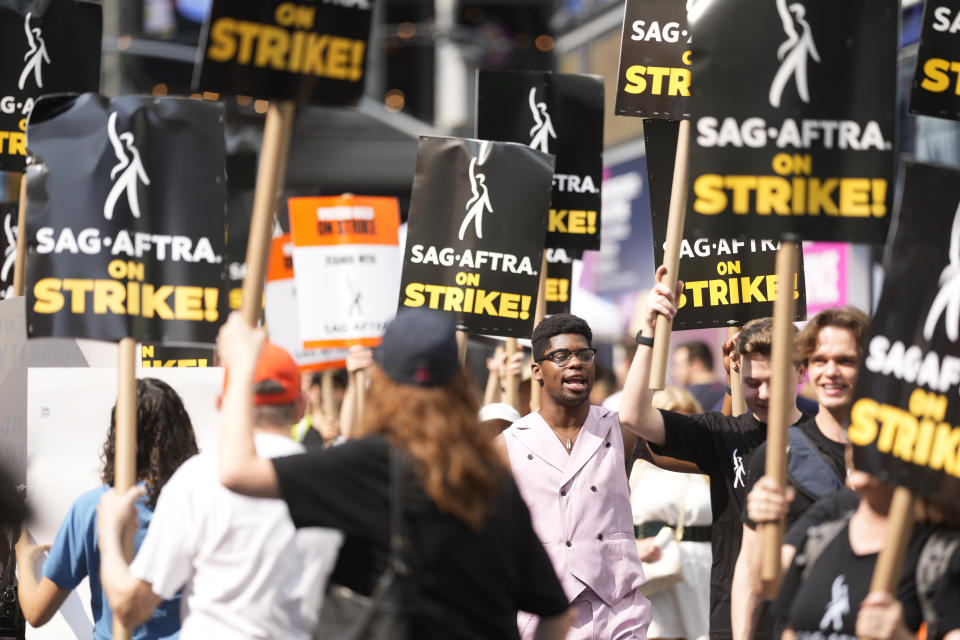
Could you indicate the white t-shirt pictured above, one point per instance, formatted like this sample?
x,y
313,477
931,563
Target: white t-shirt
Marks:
x,y
245,570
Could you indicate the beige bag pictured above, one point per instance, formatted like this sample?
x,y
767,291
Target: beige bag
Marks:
x,y
668,570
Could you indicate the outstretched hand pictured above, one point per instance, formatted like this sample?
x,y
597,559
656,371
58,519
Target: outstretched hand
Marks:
x,y
359,358
731,359
881,618
116,513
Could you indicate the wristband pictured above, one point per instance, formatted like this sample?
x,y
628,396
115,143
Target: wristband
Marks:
x,y
644,340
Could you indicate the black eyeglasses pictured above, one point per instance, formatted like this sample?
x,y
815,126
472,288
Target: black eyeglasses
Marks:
x,y
561,357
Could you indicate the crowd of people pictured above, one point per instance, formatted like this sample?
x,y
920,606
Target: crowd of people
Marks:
x,y
479,522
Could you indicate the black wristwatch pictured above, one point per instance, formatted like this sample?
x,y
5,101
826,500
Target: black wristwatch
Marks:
x,y
646,341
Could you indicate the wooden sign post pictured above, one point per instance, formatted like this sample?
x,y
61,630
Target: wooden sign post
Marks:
x,y
20,266
327,395
511,382
539,314
782,378
886,573
125,443
671,256
492,392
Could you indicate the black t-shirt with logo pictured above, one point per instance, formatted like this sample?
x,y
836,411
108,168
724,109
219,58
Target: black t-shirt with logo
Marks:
x,y
721,446
462,584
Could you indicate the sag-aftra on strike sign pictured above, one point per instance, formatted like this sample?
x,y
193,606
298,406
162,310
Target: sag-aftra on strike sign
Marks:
x,y
307,51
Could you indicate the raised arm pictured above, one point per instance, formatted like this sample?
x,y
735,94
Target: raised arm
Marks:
x,y
636,405
241,470
132,600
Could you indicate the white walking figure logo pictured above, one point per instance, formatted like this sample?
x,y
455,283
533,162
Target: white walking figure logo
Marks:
x,y
479,202
838,606
130,168
947,302
738,470
793,52
35,56
541,132
357,298
9,253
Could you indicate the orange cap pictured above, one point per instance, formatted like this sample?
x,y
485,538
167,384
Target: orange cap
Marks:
x,y
276,365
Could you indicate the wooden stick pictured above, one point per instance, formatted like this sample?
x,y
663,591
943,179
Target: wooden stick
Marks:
x,y
511,382
327,395
360,394
276,140
462,341
671,254
778,418
541,312
736,384
886,574
125,443
492,393
20,266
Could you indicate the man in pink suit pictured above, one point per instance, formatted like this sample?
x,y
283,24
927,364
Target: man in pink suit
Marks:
x,y
568,461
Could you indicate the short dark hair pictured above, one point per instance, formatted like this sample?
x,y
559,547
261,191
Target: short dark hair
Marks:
x,y
556,325
697,350
756,338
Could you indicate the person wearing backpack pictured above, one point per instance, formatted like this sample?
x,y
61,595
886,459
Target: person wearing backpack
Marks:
x,y
825,592
831,346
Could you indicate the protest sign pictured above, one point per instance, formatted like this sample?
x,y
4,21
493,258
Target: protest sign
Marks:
x,y
158,356
48,46
727,281
905,423
559,283
346,256
936,82
282,313
304,51
8,247
794,121
561,114
654,78
126,239
478,213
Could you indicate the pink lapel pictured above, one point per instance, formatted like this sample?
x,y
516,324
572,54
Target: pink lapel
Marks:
x,y
537,436
593,436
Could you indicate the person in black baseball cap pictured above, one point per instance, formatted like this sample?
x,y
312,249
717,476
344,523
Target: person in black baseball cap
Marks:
x,y
463,515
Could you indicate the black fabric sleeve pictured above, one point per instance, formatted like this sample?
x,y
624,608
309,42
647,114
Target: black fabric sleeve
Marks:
x,y
687,438
780,608
829,507
343,487
540,591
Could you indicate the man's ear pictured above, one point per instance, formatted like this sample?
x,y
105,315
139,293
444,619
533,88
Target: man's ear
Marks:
x,y
536,372
801,373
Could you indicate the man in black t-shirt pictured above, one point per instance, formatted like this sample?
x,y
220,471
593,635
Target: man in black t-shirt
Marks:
x,y
831,346
719,445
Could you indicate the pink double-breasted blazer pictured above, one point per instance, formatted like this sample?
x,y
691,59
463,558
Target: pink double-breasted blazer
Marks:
x,y
579,502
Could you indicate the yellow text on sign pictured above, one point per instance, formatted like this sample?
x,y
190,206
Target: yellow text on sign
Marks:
x,y
270,46
918,435
572,221
729,291
640,78
14,143
936,75
557,289
467,300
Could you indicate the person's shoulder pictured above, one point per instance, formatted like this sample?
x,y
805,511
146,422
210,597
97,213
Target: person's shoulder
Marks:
x,y
88,500
526,422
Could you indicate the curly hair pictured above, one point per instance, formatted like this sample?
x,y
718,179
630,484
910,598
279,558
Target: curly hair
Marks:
x,y
556,325
849,318
165,437
454,456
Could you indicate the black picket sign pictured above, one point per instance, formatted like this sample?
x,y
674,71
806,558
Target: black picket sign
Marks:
x,y
558,289
8,247
905,423
125,237
727,281
478,211
936,82
794,123
47,47
655,57
560,114
308,51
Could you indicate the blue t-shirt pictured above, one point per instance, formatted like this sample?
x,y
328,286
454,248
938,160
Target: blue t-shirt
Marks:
x,y
74,555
